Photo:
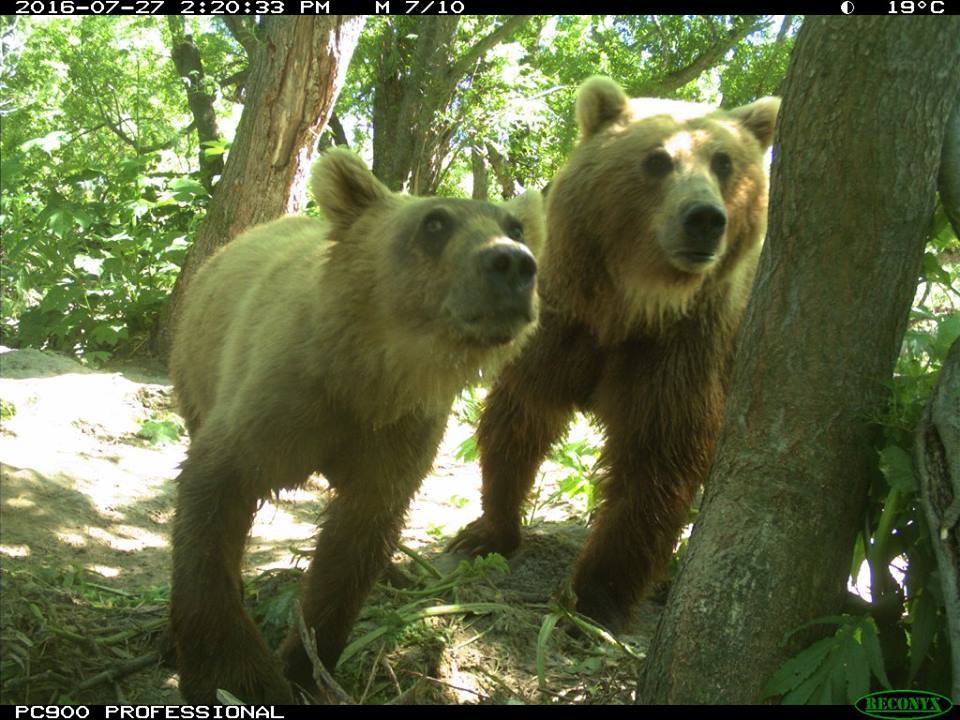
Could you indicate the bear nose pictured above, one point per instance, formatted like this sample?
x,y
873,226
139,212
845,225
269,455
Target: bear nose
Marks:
x,y
508,268
703,225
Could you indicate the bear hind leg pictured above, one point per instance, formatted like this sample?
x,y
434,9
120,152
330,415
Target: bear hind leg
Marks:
x,y
217,644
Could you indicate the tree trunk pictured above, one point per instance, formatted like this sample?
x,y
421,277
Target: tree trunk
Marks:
x,y
938,465
502,169
865,105
419,69
295,77
186,58
481,184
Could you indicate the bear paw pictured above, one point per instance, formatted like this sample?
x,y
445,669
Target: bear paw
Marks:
x,y
484,536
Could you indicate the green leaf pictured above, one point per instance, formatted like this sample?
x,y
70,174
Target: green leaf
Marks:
x,y
185,189
923,626
857,670
799,668
801,694
546,629
897,467
948,330
160,432
468,452
871,645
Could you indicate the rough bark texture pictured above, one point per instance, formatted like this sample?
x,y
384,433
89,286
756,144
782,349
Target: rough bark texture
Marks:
x,y
865,106
938,465
509,187
950,170
295,76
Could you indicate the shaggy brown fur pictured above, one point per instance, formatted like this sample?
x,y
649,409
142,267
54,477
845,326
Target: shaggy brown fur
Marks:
x,y
655,225
335,347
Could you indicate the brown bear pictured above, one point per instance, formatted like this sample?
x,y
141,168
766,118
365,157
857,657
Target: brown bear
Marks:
x,y
654,228
334,346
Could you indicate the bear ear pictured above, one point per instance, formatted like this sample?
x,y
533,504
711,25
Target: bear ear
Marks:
x,y
760,118
528,209
344,187
600,101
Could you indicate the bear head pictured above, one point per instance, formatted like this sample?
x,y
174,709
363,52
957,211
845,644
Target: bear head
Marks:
x,y
662,197
462,271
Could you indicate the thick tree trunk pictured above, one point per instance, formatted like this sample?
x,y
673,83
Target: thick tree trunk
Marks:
x,y
295,77
938,465
865,105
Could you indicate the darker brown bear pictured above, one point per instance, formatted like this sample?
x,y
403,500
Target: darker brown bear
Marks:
x,y
338,347
654,228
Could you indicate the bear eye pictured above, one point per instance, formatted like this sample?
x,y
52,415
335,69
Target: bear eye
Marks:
x,y
721,165
435,229
514,230
658,163
436,222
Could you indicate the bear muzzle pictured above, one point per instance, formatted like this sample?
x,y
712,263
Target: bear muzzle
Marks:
x,y
501,301
702,229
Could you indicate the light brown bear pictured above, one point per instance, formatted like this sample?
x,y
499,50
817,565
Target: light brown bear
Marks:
x,y
654,229
337,347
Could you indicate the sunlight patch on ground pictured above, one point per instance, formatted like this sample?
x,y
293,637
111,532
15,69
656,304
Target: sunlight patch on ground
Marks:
x,y
124,538
73,538
274,524
104,570
15,551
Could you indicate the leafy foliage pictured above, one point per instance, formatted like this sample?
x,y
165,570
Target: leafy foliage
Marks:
x,y
834,670
98,196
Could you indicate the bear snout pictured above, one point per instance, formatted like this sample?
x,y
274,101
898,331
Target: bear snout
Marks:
x,y
502,300
703,226
507,268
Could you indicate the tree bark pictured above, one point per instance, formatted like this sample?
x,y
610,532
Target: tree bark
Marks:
x,y
502,169
938,466
186,58
865,105
295,77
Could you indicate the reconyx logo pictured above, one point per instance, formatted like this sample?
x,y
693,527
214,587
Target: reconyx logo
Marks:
x,y
903,704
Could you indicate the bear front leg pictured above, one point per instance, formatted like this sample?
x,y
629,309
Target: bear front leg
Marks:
x,y
514,436
646,500
359,536
217,644
527,411
378,477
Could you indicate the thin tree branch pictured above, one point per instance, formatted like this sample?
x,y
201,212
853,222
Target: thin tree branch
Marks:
x,y
706,60
479,48
243,32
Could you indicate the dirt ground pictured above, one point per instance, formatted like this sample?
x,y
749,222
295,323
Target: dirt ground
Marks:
x,y
85,511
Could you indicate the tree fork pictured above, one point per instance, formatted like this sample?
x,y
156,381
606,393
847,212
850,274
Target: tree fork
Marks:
x,y
854,180
295,77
